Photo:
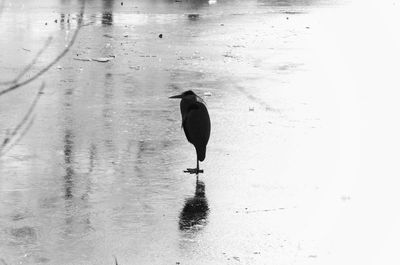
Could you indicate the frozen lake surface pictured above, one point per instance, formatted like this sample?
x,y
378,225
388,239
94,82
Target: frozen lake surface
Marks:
x,y
297,168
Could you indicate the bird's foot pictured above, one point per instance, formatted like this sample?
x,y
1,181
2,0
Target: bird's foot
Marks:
x,y
193,171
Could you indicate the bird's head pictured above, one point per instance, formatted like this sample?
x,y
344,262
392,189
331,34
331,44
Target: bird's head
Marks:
x,y
189,95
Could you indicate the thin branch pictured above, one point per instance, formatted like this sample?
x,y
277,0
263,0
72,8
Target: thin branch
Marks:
x,y
61,55
20,137
30,65
11,136
115,259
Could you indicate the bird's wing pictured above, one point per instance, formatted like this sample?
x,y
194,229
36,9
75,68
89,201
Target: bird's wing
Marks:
x,y
197,126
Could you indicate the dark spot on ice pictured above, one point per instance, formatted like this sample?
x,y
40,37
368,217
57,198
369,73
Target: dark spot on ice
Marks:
x,y
25,233
193,16
42,260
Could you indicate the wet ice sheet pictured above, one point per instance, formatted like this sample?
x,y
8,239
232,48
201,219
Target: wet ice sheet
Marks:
x,y
100,171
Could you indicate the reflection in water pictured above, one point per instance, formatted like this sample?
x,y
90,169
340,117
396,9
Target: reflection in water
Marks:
x,y
68,143
107,112
92,157
107,16
195,211
196,3
286,2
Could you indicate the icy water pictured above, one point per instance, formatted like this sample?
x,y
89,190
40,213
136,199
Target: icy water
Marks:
x,y
97,174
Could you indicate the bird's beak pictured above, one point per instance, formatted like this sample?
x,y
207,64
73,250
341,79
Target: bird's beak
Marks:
x,y
177,96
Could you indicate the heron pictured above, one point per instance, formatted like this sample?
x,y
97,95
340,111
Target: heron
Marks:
x,y
196,125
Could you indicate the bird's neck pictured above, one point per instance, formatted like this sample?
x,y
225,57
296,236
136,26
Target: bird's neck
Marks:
x,y
185,105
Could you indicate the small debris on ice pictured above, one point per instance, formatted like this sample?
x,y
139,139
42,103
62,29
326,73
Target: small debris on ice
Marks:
x,y
102,59
207,94
160,36
193,16
83,59
251,108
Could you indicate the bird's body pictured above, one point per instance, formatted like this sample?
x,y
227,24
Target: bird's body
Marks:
x,y
195,123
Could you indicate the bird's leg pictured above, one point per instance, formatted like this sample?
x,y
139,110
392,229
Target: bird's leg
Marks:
x,y
198,170
194,170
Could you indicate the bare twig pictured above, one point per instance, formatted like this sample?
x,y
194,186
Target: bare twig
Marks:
x,y
20,137
48,66
9,140
30,65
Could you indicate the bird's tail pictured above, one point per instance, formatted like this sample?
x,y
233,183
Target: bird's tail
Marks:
x,y
201,153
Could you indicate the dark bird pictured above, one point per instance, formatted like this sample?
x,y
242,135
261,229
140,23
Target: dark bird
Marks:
x,y
196,124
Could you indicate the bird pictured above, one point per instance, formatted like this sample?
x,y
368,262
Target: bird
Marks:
x,y
196,125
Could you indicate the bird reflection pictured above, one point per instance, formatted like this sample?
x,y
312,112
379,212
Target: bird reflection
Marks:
x,y
195,210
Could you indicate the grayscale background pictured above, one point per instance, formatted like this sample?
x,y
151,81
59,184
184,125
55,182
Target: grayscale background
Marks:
x,y
302,163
